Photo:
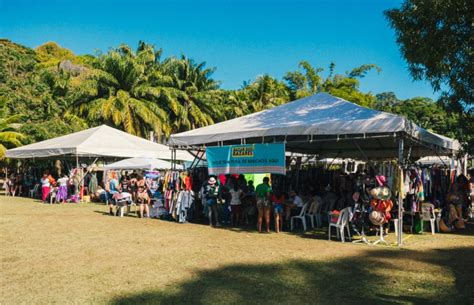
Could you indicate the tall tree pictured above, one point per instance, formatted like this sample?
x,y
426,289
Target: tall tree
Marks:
x,y
436,38
193,88
9,136
115,92
308,81
304,83
428,114
265,92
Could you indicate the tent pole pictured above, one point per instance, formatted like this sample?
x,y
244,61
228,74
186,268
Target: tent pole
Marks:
x,y
173,159
400,197
7,190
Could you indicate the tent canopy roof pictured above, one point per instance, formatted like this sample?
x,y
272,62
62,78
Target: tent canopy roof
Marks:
x,y
325,125
101,141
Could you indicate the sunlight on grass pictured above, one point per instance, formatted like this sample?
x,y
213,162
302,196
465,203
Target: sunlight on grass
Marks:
x,y
77,254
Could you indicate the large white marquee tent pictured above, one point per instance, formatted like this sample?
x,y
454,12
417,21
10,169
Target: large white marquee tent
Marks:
x,y
325,125
329,127
101,141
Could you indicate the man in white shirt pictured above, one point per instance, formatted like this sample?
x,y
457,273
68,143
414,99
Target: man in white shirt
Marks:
x,y
294,207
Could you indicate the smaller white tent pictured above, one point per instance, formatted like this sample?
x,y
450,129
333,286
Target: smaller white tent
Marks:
x,y
140,163
101,141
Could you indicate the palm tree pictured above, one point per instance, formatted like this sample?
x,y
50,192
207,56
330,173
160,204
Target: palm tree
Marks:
x,y
193,89
304,83
9,137
115,92
265,92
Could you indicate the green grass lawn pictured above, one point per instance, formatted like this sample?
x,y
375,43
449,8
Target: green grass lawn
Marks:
x,y
67,254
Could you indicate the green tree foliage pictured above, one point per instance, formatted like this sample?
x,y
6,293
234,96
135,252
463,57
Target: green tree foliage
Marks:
x,y
264,93
436,38
308,81
50,91
113,92
194,88
9,136
431,115
34,95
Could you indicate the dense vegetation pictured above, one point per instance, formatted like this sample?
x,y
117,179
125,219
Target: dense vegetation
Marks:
x,y
436,38
50,91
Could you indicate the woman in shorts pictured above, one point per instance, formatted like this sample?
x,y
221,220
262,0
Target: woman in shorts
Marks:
x,y
263,192
142,197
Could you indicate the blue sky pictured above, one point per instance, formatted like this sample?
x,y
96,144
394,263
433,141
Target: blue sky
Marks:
x,y
243,39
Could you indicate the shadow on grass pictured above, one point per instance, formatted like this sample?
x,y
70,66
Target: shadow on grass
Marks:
x,y
381,276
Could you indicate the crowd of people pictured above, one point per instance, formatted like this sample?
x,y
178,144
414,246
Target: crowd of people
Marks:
x,y
62,187
236,201
233,201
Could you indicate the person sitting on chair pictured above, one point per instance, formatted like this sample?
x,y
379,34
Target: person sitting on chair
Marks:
x,y
294,207
113,188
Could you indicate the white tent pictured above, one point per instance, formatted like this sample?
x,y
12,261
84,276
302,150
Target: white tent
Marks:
x,y
102,141
325,125
140,163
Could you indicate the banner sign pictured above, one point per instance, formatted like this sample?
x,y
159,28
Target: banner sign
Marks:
x,y
246,159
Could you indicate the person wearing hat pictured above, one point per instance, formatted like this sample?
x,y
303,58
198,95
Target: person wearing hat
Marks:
x,y
212,192
263,192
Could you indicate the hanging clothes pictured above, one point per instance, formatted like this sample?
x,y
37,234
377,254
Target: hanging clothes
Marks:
x,y
93,184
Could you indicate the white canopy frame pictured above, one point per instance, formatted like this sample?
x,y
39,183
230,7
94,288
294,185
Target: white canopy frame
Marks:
x,y
327,126
102,141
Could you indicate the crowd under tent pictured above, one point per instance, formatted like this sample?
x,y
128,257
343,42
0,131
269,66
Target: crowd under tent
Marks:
x,y
139,163
328,127
99,142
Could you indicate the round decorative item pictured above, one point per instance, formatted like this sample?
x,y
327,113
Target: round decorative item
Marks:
x,y
374,193
377,218
380,192
385,193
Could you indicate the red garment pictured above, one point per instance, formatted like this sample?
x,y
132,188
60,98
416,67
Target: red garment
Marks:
x,y
52,180
384,206
188,182
277,200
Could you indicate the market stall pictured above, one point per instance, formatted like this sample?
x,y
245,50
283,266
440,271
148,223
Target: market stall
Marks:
x,y
327,127
102,142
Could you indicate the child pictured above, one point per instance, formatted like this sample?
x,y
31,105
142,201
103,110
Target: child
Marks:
x,y
235,203
278,199
61,196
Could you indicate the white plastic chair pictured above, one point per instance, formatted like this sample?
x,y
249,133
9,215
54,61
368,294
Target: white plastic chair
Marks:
x,y
314,212
52,196
341,224
428,214
319,214
6,187
122,203
301,216
34,191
